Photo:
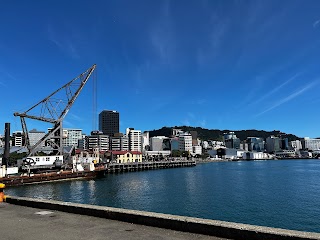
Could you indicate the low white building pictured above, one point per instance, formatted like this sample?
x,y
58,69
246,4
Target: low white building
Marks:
x,y
196,150
185,142
255,155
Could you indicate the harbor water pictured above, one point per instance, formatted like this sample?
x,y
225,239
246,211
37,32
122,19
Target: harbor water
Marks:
x,y
282,194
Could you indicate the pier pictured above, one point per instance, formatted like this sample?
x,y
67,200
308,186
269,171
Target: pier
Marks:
x,y
142,166
100,170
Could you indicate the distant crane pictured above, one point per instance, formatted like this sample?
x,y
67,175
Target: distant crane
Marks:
x,y
53,109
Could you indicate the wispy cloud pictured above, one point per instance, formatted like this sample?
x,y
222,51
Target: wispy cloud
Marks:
x,y
65,44
74,116
275,89
202,123
316,23
2,84
162,36
288,98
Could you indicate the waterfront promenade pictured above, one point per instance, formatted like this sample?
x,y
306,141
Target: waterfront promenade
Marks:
x,y
19,222
28,218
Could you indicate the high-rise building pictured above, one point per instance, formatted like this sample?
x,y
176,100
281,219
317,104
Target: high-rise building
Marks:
x,y
97,140
255,144
134,139
273,144
109,122
231,140
185,142
18,139
119,142
72,137
35,136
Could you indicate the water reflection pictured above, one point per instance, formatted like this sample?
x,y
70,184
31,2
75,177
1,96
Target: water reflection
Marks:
x,y
271,193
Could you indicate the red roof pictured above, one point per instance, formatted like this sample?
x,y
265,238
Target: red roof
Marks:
x,y
124,152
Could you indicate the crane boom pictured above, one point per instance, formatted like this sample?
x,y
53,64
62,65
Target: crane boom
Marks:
x,y
53,110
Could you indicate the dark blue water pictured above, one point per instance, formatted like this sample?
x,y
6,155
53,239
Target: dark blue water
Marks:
x,y
283,194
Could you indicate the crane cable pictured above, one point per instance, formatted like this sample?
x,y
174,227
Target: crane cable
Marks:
x,y
94,101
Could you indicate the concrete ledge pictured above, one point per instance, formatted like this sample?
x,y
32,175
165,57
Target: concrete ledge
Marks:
x,y
187,224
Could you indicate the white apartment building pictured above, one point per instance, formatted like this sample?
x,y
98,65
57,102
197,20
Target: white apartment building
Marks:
x,y
185,142
296,145
134,139
72,137
97,141
35,136
145,141
197,150
310,143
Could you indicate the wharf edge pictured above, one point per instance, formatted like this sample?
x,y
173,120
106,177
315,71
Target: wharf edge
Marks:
x,y
181,223
98,172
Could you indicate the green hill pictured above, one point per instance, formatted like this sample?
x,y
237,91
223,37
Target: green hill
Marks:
x,y
216,134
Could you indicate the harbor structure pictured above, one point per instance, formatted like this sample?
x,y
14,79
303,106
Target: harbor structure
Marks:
x,y
109,122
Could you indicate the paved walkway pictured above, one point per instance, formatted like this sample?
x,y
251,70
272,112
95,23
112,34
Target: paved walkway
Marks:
x,y
18,222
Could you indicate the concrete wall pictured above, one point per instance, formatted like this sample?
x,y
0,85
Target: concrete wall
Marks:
x,y
187,224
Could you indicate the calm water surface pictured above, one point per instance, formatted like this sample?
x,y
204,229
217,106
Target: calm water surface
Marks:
x,y
283,194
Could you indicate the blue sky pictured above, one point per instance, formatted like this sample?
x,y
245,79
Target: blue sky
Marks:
x,y
214,64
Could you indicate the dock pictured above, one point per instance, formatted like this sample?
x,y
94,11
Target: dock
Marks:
x,y
100,170
142,166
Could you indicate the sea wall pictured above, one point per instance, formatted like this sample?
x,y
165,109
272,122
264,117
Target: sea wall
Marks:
x,y
181,223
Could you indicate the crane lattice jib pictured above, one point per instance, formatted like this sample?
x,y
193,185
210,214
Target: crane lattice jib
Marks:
x,y
53,109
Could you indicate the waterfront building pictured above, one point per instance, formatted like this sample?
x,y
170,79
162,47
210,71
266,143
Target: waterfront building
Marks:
x,y
310,144
205,144
231,140
109,122
97,140
134,137
255,155
157,143
119,142
35,136
82,142
273,144
18,139
284,143
197,150
125,156
185,142
285,154
176,132
71,137
194,135
145,142
255,144
174,144
1,141
296,145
